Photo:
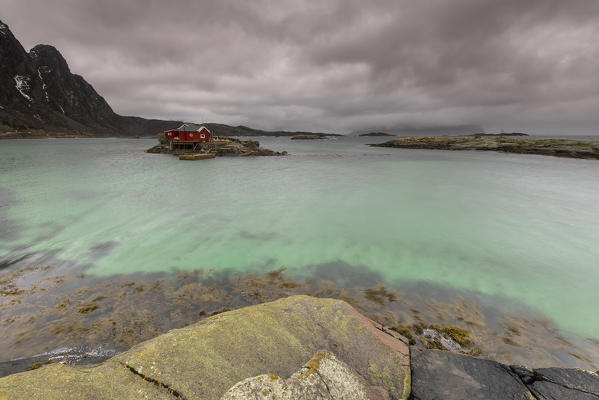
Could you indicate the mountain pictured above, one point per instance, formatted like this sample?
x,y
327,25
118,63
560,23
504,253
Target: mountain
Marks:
x,y
38,92
40,95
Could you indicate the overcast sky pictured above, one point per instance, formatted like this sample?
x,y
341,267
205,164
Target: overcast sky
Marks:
x,y
334,65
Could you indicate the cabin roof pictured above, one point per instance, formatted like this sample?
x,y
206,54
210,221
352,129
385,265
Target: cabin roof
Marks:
x,y
192,128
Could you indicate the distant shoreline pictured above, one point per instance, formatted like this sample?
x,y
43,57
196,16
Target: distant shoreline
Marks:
x,y
567,148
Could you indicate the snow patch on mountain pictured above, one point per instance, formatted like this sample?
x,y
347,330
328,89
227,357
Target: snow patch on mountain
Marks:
x,y
44,86
22,85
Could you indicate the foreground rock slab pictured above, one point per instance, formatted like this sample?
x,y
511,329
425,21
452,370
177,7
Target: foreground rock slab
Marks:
x,y
206,359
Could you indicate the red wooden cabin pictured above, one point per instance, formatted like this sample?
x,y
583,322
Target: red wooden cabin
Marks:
x,y
189,133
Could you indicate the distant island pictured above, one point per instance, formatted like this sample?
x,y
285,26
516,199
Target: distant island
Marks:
x,y
308,136
501,143
376,134
498,134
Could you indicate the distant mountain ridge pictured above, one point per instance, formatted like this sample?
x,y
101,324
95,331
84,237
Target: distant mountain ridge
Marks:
x,y
38,92
40,95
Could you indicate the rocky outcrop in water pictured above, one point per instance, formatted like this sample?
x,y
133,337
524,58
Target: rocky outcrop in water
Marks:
x,y
503,143
260,352
308,136
221,147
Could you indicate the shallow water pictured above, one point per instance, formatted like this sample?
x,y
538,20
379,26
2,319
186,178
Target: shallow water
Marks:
x,y
521,229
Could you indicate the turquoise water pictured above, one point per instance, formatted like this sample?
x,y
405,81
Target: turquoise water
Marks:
x,y
524,228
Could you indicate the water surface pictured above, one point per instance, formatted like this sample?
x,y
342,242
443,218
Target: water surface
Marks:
x,y
520,229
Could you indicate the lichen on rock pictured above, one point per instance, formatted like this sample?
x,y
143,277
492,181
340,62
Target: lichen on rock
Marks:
x,y
323,377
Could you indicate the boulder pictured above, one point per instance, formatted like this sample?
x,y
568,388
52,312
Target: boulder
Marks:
x,y
204,360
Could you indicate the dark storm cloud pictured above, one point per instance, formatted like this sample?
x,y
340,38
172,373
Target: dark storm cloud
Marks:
x,y
336,65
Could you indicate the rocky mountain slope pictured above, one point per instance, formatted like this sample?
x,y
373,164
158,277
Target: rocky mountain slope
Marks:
x,y
38,92
39,95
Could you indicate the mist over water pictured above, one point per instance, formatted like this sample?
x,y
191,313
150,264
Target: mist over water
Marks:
x,y
523,228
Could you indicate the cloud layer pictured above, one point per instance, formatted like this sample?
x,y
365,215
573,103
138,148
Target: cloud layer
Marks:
x,y
337,65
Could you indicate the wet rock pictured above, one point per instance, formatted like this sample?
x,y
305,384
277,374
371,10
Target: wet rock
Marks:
x,y
543,390
444,375
559,383
323,377
435,337
110,380
83,356
159,148
578,379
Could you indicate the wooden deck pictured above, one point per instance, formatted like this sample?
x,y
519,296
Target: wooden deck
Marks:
x,y
197,156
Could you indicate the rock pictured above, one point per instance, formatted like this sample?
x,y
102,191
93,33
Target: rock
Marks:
x,y
324,377
447,343
503,143
158,149
578,379
220,147
499,134
560,383
439,374
110,380
444,375
308,137
544,390
205,359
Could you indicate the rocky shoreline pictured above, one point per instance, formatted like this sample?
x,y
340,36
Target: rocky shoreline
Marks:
x,y
54,317
221,147
502,143
299,347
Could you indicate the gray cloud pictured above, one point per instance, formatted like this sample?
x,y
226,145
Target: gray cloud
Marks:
x,y
339,65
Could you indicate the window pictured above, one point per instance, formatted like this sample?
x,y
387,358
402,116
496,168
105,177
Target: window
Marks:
x,y
202,136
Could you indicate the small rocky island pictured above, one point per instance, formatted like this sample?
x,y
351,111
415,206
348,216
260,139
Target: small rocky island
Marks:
x,y
308,136
502,143
209,147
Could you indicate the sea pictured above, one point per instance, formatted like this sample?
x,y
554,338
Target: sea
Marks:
x,y
514,232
